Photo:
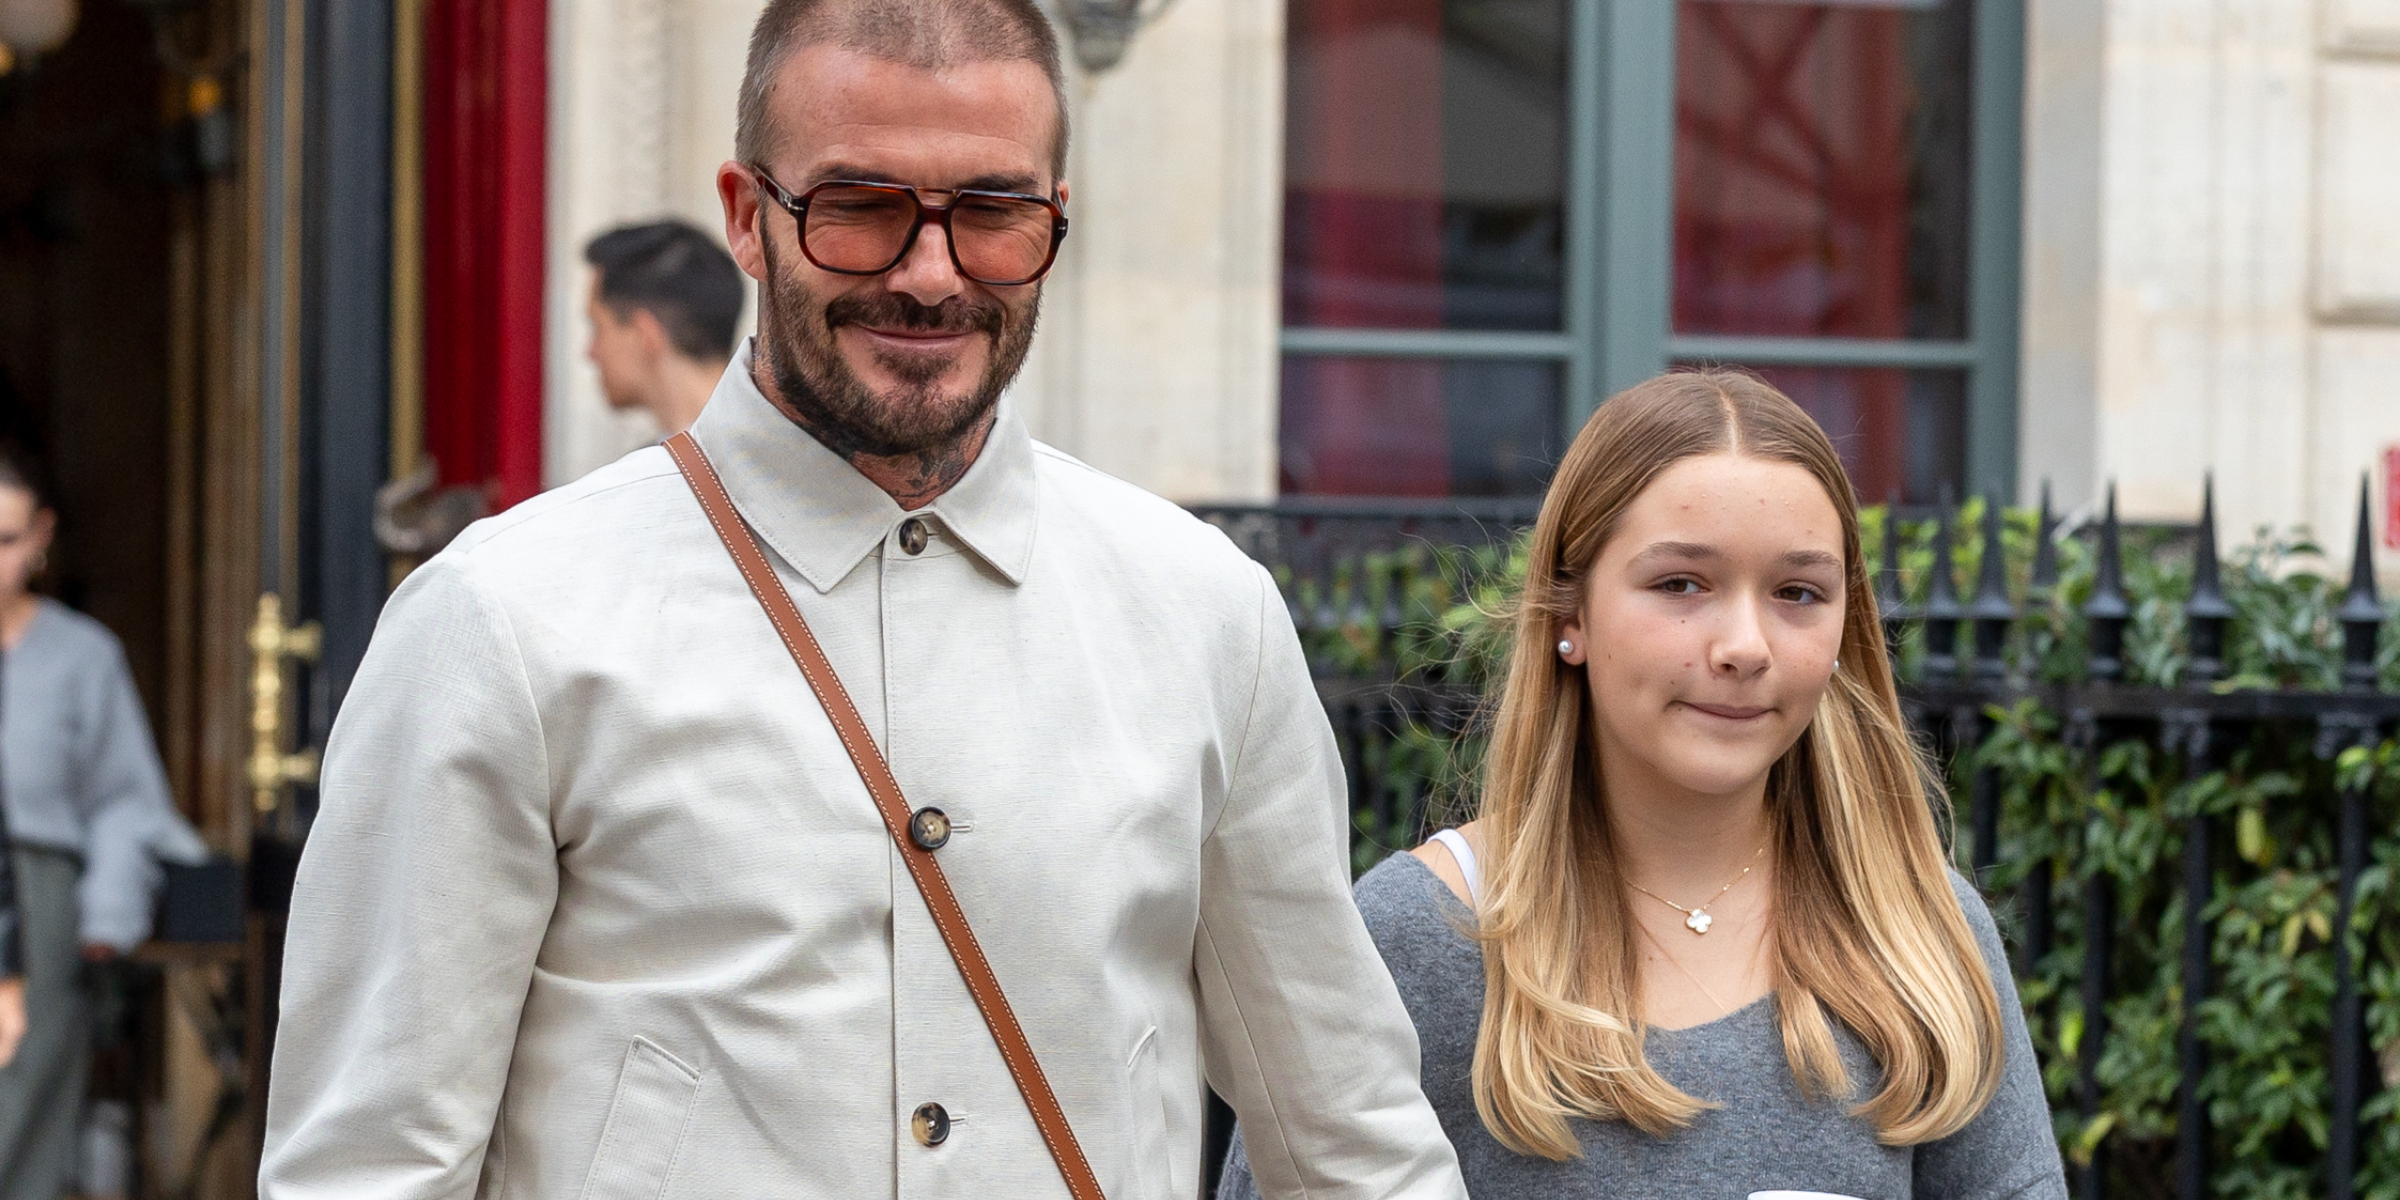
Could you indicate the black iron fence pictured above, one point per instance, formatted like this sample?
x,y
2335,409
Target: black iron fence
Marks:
x,y
2166,778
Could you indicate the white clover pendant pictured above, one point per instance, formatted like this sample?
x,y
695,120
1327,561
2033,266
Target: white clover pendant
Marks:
x,y
1699,922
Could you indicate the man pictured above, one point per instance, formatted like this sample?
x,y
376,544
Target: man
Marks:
x,y
597,906
664,301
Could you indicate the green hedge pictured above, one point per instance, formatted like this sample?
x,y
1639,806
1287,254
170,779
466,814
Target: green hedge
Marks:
x,y
2111,816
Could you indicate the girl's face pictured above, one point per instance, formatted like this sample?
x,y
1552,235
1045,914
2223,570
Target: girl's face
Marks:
x,y
1710,623
24,540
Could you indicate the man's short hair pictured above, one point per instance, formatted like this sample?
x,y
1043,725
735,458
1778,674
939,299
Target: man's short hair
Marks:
x,y
677,274
931,35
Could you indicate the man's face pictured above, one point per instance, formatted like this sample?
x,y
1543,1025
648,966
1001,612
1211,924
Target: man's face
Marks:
x,y
909,360
25,529
618,350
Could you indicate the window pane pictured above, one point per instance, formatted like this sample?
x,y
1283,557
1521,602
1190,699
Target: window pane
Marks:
x,y
1821,168
1425,164
1898,431
1419,427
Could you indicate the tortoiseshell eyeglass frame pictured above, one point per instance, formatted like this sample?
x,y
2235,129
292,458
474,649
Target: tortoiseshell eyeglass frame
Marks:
x,y
797,205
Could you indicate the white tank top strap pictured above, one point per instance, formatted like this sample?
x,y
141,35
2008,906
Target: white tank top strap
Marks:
x,y
1456,843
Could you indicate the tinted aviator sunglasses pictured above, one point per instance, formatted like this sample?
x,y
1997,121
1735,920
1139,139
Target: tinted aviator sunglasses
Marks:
x,y
851,227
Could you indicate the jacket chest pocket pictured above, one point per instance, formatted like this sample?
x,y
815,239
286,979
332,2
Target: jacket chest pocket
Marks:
x,y
646,1122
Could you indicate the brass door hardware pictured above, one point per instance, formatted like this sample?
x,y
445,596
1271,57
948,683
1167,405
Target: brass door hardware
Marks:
x,y
271,642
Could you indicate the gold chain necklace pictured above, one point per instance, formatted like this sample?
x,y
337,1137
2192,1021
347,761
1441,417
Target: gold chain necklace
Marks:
x,y
1697,919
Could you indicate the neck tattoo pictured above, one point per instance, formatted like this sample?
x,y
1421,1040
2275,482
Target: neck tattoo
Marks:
x,y
1697,919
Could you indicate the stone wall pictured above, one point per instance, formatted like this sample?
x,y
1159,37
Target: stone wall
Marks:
x,y
2213,255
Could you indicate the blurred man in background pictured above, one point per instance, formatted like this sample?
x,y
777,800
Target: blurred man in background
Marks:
x,y
664,302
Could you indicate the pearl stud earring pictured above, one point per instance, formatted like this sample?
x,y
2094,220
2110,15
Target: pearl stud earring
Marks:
x,y
1565,647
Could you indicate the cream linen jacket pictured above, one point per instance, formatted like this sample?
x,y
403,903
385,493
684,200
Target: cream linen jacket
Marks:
x,y
596,906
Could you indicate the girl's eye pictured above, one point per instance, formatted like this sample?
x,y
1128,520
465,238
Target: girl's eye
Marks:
x,y
1802,594
1680,587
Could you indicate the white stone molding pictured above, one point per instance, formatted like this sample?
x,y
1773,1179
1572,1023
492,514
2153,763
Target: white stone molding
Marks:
x,y
2358,194
2362,26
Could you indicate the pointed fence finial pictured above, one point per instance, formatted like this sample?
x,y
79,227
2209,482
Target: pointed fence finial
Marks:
x,y
2361,614
2106,610
1991,611
2045,554
2207,613
1942,609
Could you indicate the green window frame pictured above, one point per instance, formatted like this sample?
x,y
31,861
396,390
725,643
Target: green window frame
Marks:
x,y
1620,242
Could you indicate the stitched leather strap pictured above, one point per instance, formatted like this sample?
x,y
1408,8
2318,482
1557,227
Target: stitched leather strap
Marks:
x,y
742,542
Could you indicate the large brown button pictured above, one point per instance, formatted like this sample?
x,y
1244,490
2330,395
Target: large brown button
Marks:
x,y
914,535
929,828
931,1124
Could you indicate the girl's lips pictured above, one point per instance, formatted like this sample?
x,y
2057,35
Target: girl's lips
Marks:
x,y
1729,712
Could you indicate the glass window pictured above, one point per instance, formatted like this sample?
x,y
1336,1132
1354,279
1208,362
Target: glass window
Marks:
x,y
1823,164
1419,426
1900,432
1425,164
1821,169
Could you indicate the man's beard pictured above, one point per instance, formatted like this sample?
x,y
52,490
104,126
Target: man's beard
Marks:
x,y
829,400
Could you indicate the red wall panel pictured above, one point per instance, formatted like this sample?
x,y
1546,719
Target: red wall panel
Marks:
x,y
486,88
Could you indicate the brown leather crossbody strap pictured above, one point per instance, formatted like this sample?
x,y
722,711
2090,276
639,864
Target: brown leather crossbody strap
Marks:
x,y
742,542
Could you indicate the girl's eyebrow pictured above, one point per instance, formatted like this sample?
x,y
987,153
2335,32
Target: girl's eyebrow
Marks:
x,y
1695,551
1677,550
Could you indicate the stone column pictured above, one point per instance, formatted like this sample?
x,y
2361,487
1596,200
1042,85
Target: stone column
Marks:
x,y
1157,359
641,112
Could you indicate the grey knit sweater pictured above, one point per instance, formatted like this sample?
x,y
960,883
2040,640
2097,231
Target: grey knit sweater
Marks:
x,y
79,774
1765,1138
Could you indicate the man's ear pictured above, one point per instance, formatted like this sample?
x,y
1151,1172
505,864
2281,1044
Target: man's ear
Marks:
x,y
743,215
652,331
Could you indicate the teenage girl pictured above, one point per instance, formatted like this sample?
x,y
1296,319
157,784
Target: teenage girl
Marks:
x,y
1702,938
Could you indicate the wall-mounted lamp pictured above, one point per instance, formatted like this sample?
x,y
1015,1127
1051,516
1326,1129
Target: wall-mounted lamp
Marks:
x,y
1102,30
32,28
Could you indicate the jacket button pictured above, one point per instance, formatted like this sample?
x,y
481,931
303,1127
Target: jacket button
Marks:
x,y
929,828
931,1124
914,535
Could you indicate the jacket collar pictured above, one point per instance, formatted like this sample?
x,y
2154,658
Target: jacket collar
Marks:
x,y
823,517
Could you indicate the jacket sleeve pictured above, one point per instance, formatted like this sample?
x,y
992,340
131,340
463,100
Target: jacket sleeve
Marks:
x,y
130,820
12,946
1303,1029
421,901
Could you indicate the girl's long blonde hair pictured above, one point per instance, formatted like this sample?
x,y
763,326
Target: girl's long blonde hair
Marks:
x,y
1866,929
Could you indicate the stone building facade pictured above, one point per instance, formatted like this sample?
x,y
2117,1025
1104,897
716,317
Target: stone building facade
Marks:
x,y
2208,246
